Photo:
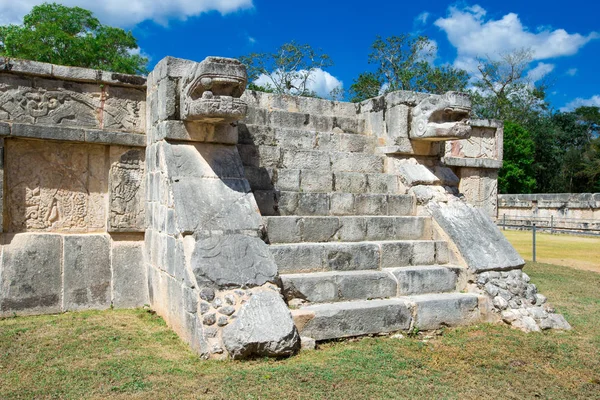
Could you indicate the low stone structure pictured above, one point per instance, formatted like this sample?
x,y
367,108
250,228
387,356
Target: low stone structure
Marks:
x,y
572,212
246,219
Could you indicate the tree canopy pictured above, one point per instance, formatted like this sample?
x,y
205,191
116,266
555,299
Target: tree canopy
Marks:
x,y
403,63
71,36
289,70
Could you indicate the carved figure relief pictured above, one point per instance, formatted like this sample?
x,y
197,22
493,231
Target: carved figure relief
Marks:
x,y
69,108
126,181
55,187
481,144
442,117
480,189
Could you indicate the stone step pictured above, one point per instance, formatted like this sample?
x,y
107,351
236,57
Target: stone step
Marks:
x,y
318,181
319,160
355,318
357,256
287,203
304,121
301,139
334,286
295,229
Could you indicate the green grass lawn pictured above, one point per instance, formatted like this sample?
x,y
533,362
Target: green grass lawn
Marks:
x,y
132,354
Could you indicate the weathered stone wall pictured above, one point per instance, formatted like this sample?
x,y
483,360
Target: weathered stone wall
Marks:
x,y
567,211
73,190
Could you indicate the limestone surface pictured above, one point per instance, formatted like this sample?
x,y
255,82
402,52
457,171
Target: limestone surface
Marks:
x,y
263,327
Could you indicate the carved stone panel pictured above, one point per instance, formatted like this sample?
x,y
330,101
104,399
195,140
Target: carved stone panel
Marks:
x,y
126,190
51,102
55,187
481,144
480,188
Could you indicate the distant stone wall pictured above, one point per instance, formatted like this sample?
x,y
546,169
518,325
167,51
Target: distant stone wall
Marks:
x,y
567,211
73,192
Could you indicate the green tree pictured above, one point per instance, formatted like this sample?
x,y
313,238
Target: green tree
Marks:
x,y
289,70
402,64
71,36
503,89
517,174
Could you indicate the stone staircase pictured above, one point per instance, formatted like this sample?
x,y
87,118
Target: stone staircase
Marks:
x,y
353,256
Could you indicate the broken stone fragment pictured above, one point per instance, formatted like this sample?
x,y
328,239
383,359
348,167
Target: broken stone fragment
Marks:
x,y
263,327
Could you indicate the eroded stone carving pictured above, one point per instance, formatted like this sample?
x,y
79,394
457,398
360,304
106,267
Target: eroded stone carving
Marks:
x,y
58,106
55,187
442,117
210,92
127,183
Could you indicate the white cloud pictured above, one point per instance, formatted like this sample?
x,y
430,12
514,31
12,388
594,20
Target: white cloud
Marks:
x,y
321,82
540,71
474,35
130,12
422,18
593,101
572,72
251,40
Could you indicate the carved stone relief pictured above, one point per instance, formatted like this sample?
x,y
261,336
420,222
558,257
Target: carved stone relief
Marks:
x,y
20,101
481,144
442,117
126,190
480,187
55,187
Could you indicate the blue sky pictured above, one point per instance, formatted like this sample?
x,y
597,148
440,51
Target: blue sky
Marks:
x,y
565,37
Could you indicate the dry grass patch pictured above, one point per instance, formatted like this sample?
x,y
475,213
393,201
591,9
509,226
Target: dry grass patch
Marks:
x,y
129,354
581,252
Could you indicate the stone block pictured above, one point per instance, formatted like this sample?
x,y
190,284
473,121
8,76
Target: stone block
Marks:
x,y
356,162
316,181
116,138
396,254
342,204
382,183
355,143
87,272
130,283
306,159
290,139
452,309
356,318
232,260
370,204
312,287
424,279
442,254
259,178
288,180
313,204
365,285
284,229
263,327
267,202
291,258
4,129
352,229
48,132
401,205
417,174
423,252
319,229
350,182
351,256
446,176
31,280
